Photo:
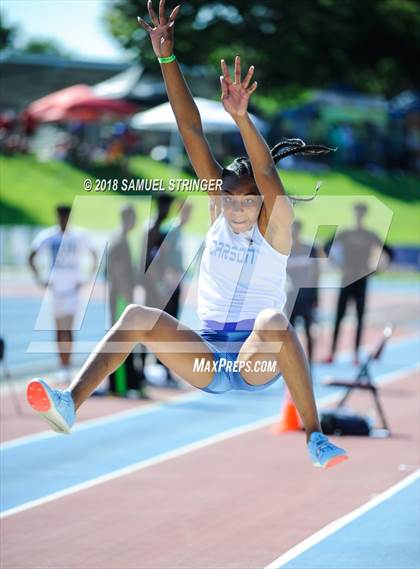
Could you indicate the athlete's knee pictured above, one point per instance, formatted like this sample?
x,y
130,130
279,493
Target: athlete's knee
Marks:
x,y
132,313
271,323
139,319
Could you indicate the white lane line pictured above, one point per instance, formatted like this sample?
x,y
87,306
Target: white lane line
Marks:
x,y
106,420
324,401
341,522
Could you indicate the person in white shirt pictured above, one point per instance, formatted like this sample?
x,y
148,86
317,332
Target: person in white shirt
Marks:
x,y
65,247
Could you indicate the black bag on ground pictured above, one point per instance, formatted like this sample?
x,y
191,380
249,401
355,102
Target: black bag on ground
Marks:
x,y
342,422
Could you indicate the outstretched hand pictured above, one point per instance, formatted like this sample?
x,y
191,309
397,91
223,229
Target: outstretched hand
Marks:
x,y
236,94
162,34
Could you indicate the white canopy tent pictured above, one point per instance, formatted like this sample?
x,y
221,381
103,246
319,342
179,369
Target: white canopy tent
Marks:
x,y
214,118
133,85
121,85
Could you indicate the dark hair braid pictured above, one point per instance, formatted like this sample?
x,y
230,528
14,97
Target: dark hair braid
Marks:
x,y
288,147
240,167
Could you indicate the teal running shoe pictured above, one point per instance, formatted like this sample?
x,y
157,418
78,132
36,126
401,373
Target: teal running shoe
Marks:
x,y
324,453
55,406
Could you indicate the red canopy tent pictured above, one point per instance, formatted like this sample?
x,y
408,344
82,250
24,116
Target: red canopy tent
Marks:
x,y
78,102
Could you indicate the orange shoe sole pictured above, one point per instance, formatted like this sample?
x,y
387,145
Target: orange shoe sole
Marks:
x,y
37,397
40,402
336,460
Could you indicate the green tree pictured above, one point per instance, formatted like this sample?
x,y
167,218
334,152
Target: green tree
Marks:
x,y
371,45
43,46
7,34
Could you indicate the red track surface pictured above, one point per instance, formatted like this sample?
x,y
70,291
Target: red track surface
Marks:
x,y
239,503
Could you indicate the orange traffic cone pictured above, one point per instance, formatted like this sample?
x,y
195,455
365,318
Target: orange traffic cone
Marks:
x,y
289,420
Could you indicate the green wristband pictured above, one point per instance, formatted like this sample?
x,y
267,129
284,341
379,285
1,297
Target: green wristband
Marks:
x,y
167,59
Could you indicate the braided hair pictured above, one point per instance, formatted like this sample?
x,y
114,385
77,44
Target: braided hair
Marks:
x,y
290,146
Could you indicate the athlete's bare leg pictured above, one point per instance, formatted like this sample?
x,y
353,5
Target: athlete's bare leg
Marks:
x,y
64,336
272,339
175,344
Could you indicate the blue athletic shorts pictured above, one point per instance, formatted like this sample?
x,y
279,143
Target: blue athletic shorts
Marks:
x,y
225,346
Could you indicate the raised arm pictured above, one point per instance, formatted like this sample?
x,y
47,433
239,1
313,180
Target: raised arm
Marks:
x,y
182,103
235,97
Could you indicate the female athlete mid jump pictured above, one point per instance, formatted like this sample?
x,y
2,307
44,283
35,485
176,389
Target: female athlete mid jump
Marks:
x,y
241,291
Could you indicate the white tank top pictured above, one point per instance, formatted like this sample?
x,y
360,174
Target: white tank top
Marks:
x,y
240,275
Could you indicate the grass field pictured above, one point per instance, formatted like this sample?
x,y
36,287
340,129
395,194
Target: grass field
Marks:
x,y
30,190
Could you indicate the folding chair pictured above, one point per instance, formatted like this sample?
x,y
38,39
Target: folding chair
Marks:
x,y
364,378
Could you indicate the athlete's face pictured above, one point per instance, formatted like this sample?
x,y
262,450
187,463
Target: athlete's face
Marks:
x,y
241,203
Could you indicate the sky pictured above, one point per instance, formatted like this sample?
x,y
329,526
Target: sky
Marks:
x,y
75,24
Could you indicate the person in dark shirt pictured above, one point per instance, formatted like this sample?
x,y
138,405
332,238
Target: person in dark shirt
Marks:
x,y
303,273
126,380
353,250
162,261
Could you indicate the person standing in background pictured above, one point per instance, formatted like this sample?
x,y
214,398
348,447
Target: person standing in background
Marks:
x,y
175,267
66,246
353,250
126,380
163,263
303,274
